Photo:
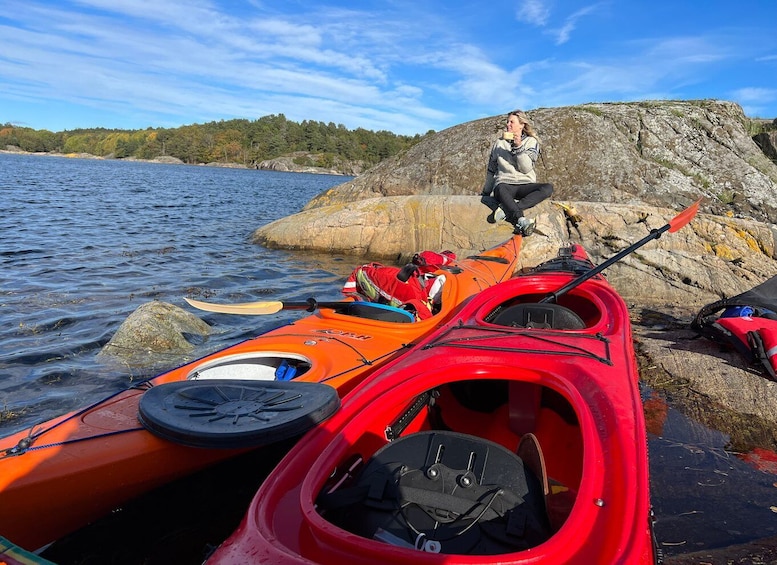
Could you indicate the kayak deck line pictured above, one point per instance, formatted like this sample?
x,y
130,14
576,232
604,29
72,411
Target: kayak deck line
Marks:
x,y
26,444
550,337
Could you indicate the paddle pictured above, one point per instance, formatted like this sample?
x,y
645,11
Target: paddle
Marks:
x,y
261,308
674,224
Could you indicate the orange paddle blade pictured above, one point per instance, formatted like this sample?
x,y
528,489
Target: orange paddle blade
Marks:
x,y
684,217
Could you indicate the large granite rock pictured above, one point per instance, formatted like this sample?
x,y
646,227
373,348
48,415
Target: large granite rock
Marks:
x,y
660,153
618,163
712,257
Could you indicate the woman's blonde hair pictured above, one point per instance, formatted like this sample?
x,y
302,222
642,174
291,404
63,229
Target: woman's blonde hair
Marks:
x,y
527,126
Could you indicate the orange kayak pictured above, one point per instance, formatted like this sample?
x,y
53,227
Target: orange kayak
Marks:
x,y
58,476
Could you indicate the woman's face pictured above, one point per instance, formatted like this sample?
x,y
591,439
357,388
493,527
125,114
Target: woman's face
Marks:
x,y
514,123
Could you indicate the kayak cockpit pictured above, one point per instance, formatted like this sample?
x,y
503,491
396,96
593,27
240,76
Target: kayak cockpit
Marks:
x,y
574,311
477,467
253,366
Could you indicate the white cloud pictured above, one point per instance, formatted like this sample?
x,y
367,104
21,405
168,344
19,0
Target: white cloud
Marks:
x,y
756,102
421,66
563,33
477,81
687,50
534,12
188,59
663,68
755,95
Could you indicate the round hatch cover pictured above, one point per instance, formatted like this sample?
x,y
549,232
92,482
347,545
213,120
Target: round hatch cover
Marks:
x,y
234,414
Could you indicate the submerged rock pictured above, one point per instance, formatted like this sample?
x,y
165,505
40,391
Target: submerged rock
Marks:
x,y
155,327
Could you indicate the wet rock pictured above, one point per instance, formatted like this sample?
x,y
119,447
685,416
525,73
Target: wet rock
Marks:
x,y
759,552
710,383
156,327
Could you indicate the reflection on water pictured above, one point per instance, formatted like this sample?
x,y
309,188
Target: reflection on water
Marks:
x,y
705,494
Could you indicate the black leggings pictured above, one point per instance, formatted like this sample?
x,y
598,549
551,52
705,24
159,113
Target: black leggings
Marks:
x,y
515,198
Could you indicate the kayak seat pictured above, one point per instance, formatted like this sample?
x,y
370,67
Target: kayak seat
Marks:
x,y
557,500
544,316
375,311
530,452
446,492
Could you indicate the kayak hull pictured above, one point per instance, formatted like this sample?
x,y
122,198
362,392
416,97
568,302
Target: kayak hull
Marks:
x,y
61,475
573,389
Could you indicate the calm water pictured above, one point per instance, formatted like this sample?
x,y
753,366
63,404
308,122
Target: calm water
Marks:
x,y
83,243
704,494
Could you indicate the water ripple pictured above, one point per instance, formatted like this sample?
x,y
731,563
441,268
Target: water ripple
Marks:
x,y
86,242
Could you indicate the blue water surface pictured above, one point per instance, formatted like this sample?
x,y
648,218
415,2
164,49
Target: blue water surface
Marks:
x,y
84,242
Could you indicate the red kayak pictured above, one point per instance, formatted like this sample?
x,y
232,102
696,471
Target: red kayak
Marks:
x,y
512,434
58,476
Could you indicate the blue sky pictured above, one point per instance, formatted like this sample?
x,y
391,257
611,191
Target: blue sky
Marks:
x,y
406,66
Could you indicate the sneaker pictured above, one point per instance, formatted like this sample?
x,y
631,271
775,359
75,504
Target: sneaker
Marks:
x,y
496,216
524,226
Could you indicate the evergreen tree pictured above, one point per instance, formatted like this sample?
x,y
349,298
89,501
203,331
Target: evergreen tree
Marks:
x,y
232,141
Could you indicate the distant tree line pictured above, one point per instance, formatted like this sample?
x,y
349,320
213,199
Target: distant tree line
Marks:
x,y
244,142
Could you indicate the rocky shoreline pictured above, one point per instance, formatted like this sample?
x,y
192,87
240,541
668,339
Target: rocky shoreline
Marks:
x,y
280,164
627,168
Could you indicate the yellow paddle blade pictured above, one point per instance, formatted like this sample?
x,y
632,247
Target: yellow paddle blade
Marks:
x,y
244,308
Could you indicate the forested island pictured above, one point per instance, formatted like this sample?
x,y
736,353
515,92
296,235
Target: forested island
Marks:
x,y
240,142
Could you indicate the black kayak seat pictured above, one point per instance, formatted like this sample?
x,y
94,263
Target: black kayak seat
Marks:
x,y
446,492
546,316
376,311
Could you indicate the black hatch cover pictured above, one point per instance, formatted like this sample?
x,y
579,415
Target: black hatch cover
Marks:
x,y
235,414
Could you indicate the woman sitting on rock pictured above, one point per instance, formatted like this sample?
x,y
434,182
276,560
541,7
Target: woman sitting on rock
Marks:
x,y
511,177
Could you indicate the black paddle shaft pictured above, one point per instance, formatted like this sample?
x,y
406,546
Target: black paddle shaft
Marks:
x,y
311,304
654,234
